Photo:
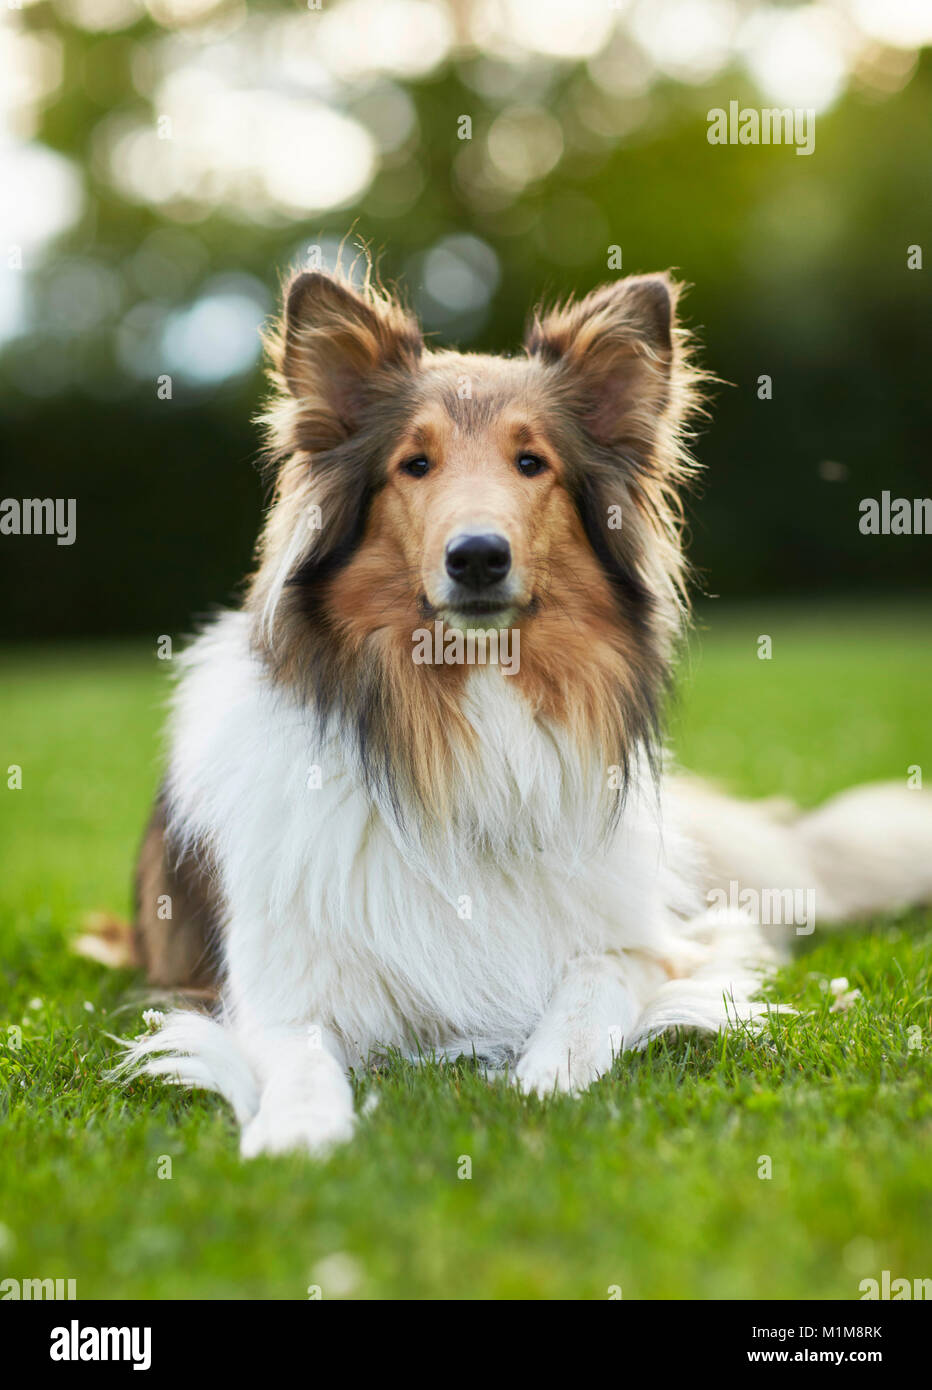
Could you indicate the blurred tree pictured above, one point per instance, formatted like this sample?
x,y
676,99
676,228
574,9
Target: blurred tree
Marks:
x,y
203,149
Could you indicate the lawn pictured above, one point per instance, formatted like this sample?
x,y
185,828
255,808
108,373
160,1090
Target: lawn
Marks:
x,y
651,1183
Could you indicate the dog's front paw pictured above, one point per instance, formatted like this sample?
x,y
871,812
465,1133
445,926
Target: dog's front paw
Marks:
x,y
314,1132
569,1064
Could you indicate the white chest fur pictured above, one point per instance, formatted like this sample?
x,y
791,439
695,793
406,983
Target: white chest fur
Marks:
x,y
334,912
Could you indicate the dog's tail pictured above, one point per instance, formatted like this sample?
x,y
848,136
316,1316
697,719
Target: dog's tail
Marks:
x,y
871,848
865,851
193,1049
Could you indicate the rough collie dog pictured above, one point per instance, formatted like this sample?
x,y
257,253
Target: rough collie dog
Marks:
x,y
363,847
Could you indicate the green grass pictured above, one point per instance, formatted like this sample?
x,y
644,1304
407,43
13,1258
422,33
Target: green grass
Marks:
x,y
649,1182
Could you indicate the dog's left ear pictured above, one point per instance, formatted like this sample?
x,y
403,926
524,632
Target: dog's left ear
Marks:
x,y
614,350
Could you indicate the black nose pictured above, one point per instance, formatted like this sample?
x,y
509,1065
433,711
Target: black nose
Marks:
x,y
478,561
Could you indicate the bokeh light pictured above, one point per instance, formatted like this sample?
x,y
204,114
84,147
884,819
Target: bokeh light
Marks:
x,y
197,114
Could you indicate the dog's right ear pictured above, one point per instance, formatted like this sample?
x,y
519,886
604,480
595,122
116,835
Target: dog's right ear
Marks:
x,y
337,345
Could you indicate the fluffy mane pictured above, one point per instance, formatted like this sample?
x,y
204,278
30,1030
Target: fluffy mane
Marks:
x,y
333,607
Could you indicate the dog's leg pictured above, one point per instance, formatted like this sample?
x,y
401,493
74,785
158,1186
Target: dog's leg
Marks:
x,y
272,999
306,1101
592,1011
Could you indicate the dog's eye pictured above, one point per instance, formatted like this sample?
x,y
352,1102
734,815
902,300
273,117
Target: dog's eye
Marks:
x,y
530,465
416,467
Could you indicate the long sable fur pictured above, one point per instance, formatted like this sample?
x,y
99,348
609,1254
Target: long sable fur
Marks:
x,y
347,368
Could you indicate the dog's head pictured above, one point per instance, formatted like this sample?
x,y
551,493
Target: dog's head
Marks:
x,y
538,492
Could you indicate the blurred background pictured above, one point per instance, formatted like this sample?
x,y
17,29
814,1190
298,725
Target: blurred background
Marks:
x,y
162,164
165,161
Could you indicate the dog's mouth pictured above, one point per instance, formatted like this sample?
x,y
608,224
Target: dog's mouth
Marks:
x,y
497,612
480,606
